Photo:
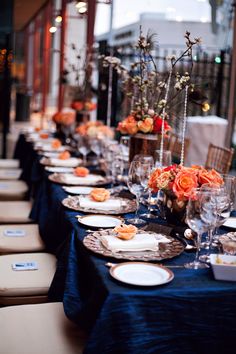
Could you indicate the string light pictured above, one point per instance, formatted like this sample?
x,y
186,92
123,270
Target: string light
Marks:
x,y
58,19
81,7
52,29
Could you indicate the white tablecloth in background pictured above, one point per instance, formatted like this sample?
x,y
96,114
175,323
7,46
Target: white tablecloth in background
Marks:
x,y
202,131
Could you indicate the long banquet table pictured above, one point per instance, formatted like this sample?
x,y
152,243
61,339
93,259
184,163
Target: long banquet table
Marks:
x,y
192,314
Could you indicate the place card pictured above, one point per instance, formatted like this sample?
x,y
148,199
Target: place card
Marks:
x,y
25,266
14,233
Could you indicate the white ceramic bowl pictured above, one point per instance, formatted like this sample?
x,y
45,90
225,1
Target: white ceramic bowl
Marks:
x,y
225,270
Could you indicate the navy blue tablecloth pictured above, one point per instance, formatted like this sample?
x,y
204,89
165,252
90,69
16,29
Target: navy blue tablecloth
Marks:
x,y
192,314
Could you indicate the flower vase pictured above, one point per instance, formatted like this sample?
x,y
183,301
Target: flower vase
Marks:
x,y
175,210
145,144
82,116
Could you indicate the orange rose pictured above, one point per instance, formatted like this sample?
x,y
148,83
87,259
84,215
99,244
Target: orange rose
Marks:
x,y
81,171
44,135
184,183
65,155
77,105
99,194
126,232
146,125
152,183
37,129
128,126
163,180
56,144
210,177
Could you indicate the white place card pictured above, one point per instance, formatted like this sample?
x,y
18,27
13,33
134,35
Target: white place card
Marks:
x,y
14,233
25,266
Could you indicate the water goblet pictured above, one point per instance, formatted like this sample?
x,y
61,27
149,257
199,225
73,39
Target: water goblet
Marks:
x,y
198,218
83,149
136,188
166,158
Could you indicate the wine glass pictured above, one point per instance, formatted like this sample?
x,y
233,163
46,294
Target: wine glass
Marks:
x,y
200,213
117,168
145,175
230,186
95,147
135,187
83,149
166,158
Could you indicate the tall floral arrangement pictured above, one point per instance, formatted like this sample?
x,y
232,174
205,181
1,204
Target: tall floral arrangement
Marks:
x,y
80,72
152,99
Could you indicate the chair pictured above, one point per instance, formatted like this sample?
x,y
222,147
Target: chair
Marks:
x,y
9,163
10,173
26,286
25,239
37,329
13,190
219,158
175,146
15,212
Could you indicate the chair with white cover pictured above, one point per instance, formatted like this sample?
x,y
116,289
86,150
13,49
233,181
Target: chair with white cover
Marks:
x,y
15,212
13,190
23,286
20,239
9,163
10,174
37,329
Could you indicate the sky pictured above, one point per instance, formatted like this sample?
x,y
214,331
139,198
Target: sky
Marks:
x,y
128,11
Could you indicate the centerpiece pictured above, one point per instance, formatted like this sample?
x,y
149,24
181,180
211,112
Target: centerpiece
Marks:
x,y
80,73
153,95
95,129
177,183
65,124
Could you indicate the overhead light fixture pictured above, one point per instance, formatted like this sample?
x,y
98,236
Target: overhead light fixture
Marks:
x,y
58,19
52,29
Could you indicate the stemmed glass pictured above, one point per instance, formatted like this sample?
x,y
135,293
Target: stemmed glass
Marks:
x,y
95,147
166,158
200,213
117,168
84,149
135,187
149,161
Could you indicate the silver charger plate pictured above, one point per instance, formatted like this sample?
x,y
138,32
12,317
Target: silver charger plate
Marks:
x,y
165,251
127,206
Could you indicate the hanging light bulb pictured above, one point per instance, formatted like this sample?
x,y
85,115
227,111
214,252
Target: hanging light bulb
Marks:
x,y
205,106
80,4
52,29
81,7
58,19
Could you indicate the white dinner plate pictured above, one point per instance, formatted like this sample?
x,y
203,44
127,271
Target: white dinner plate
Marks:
x,y
59,169
230,222
142,274
103,221
78,189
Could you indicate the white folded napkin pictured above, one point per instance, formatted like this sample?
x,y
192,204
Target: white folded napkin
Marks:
x,y
71,162
110,204
140,242
72,179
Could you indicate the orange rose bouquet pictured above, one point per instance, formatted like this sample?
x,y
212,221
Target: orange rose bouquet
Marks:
x,y
177,183
95,130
